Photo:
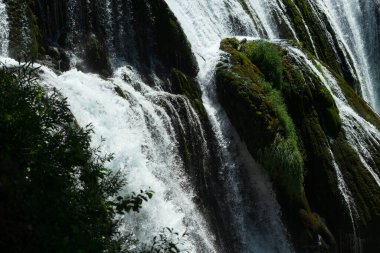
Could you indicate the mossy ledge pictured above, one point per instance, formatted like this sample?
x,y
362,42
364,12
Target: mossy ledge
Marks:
x,y
291,125
182,84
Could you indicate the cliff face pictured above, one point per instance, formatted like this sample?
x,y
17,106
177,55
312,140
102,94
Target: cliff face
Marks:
x,y
144,34
289,119
296,105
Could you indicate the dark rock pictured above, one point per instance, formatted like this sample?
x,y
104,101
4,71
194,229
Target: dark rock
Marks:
x,y
318,128
96,57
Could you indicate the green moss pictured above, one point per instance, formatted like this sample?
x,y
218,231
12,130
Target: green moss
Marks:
x,y
263,120
289,120
291,109
269,59
357,103
328,112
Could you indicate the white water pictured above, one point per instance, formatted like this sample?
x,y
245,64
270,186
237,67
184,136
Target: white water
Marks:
x,y
354,22
140,133
4,30
349,201
205,24
360,133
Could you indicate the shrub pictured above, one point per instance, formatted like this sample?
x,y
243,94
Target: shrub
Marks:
x,y
269,59
263,120
56,194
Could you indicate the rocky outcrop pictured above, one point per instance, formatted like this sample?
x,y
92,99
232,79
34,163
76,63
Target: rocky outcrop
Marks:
x,y
317,37
292,126
144,34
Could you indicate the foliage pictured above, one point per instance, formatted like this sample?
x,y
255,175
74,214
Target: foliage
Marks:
x,y
263,119
132,202
268,57
54,185
168,241
56,194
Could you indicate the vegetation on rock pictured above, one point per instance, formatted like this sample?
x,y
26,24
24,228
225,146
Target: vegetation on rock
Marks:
x,y
262,118
187,86
291,124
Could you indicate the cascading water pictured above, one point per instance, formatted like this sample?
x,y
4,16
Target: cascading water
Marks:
x,y
360,133
142,135
4,30
144,129
349,201
354,23
205,25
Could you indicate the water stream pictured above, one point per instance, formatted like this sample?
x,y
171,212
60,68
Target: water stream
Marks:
x,y
4,30
146,128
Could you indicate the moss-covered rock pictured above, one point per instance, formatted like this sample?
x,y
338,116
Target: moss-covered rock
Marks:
x,y
172,45
184,85
357,103
258,112
146,34
157,42
317,37
301,124
257,109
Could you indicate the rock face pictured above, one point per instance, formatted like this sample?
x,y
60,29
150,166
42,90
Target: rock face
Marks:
x,y
284,112
145,34
317,37
292,125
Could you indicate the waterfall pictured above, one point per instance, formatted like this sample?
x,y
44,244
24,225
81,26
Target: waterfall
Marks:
x,y
205,24
349,201
145,127
4,30
142,135
351,21
361,134
354,23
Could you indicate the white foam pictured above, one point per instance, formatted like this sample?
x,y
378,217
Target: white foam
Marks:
x,y
4,29
140,133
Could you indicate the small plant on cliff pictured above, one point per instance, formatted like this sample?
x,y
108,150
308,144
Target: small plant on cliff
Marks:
x,y
251,84
268,58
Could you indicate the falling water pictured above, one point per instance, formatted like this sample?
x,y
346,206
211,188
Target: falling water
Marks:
x,y
4,30
360,133
355,25
205,24
143,131
142,135
349,201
